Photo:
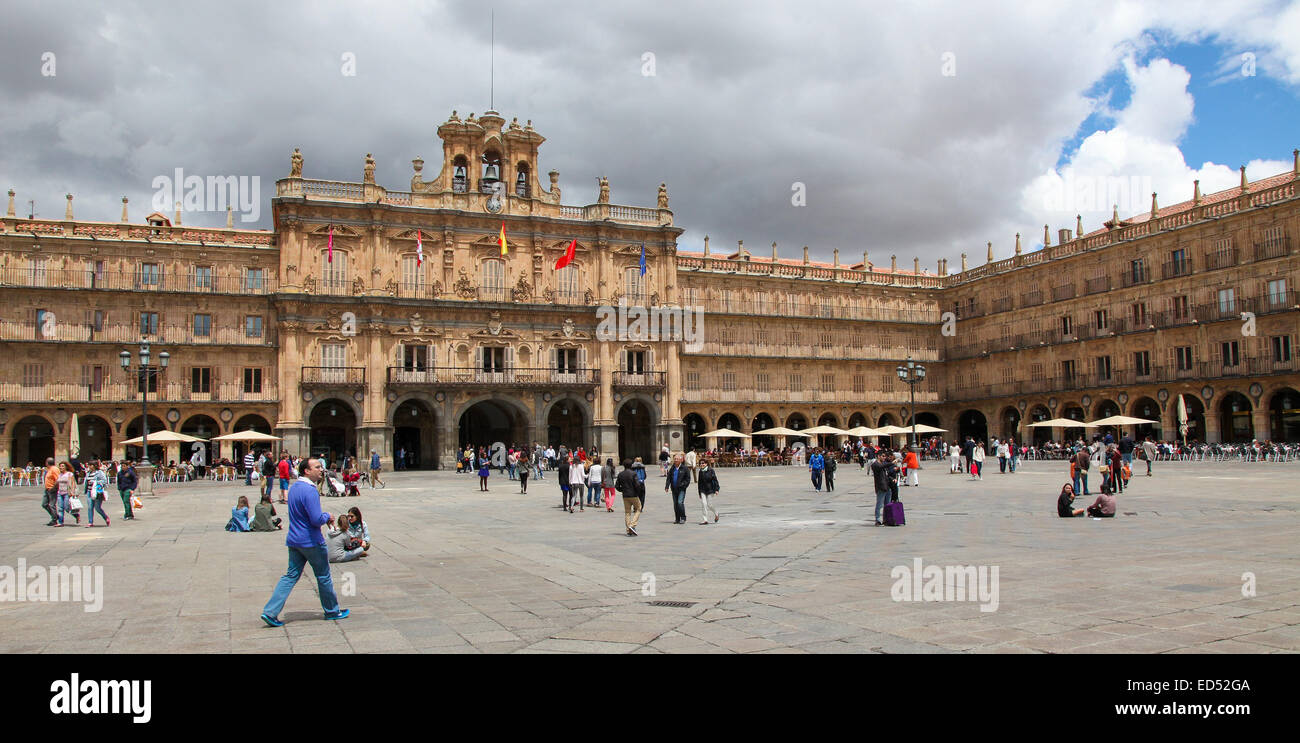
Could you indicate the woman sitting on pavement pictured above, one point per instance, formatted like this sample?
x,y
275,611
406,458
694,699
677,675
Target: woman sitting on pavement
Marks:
x,y
1065,503
1104,506
239,516
340,545
357,528
264,516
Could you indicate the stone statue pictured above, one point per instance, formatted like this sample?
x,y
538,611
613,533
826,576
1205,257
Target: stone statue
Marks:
x,y
295,164
604,190
370,170
391,288
555,185
358,286
663,195
464,287
309,284
436,289
523,291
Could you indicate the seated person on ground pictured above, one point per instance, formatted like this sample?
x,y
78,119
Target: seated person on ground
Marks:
x,y
1064,503
341,547
1104,506
239,516
264,516
357,528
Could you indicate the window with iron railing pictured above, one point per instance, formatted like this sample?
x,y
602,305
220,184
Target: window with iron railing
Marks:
x,y
252,381
1142,363
1183,358
334,273
633,286
1227,302
1281,348
254,279
253,326
33,375
202,326
202,277
150,274
1230,354
693,381
148,323
1277,293
567,282
201,379
729,381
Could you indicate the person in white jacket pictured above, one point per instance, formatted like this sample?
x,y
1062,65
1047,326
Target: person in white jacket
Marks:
x,y
593,483
977,472
1004,453
577,480
691,462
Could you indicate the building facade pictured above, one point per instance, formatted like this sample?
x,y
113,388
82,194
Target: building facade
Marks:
x,y
372,319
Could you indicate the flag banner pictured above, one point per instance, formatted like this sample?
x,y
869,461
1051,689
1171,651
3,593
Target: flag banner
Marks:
x,y
643,259
567,258
329,256
419,249
501,238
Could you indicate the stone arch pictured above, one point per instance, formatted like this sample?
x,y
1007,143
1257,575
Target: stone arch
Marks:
x,y
1009,422
96,436
1283,413
414,436
637,418
519,423
33,440
694,424
1235,417
332,423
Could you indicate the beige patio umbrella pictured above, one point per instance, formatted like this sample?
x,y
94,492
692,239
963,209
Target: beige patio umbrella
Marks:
x,y
824,430
922,428
1121,420
163,437
74,445
861,431
892,430
725,433
249,435
1062,423
780,431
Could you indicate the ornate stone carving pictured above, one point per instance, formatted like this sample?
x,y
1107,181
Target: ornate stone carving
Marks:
x,y
568,327
358,286
589,297
654,299
391,288
548,295
555,186
663,195
436,289
494,323
416,322
523,291
309,284
604,190
292,268
369,177
465,287
295,164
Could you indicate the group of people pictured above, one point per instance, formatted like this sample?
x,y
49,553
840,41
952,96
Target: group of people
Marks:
x,y
62,496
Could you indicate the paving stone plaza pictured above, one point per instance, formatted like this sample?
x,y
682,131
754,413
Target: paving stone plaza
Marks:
x,y
786,570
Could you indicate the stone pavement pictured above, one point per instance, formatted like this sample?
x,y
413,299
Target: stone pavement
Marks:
x,y
786,570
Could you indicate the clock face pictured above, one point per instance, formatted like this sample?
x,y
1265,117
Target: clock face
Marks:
x,y
494,203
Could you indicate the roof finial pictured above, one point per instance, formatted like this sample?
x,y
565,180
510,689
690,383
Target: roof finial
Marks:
x,y
124,219
67,213
963,263
1196,191
230,217
916,266
1295,168
805,255
1243,178
1078,225
989,259
1114,216
866,261
774,252
10,212
837,257
893,264
177,221
1154,206
706,246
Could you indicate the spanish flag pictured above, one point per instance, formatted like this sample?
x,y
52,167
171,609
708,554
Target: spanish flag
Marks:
x,y
501,239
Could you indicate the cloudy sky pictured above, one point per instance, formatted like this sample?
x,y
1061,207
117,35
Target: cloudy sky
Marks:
x,y
917,129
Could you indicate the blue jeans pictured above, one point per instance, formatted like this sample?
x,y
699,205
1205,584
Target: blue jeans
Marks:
x,y
320,566
1081,476
63,507
817,479
511,469
94,504
1014,461
679,505
882,497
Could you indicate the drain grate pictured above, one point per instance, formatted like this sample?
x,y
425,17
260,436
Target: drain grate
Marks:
x,y
674,604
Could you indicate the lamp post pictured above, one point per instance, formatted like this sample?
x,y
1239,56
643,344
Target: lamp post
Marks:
x,y
910,373
143,374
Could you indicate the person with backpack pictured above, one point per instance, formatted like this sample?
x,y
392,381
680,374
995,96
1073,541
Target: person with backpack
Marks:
x,y
830,465
632,489
707,485
1079,469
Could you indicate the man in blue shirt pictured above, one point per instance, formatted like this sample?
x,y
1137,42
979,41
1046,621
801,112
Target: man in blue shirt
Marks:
x,y
816,464
374,469
306,545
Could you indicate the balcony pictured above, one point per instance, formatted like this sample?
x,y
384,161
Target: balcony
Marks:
x,y
1060,293
650,379
119,392
1031,299
1134,276
810,309
1002,304
1174,269
65,332
1273,248
468,376
1097,285
493,294
1221,259
46,278
1269,303
333,376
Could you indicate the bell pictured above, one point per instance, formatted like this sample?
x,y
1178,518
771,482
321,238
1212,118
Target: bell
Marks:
x,y
493,173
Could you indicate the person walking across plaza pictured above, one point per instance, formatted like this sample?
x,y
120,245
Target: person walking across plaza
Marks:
x,y
577,482
51,498
1004,454
816,467
881,474
632,490
96,484
954,459
912,464
484,471
562,475
977,461
594,483
66,486
127,482
691,463
1149,451
677,481
306,545
284,471
374,470
249,463
707,485
607,478
269,471
829,464
525,463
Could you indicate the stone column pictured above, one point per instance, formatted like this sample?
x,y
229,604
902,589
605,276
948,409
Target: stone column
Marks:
x,y
1259,416
1213,434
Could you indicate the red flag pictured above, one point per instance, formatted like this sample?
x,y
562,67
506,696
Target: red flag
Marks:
x,y
329,258
567,258
419,250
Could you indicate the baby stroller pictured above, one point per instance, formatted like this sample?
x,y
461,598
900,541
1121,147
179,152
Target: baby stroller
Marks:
x,y
332,486
350,481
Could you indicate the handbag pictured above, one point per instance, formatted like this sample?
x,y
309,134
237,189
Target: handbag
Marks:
x,y
135,502
74,503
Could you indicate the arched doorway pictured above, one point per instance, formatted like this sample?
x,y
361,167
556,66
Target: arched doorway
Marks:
x,y
1009,423
1041,435
730,421
33,442
203,427
762,422
828,440
256,423
636,431
489,421
972,423
415,436
1145,407
136,428
1235,424
1106,409
694,425
96,438
1284,416
885,420
567,425
333,425
1074,433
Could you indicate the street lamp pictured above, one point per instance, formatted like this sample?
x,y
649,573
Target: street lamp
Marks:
x,y
143,374
910,374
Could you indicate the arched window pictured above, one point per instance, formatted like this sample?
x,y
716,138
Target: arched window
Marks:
x,y
521,179
460,174
633,285
334,272
493,284
567,282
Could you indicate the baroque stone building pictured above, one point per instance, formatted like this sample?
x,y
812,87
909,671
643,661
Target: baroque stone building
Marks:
x,y
374,319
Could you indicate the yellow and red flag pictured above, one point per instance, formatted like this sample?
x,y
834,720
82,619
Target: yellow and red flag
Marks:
x,y
501,239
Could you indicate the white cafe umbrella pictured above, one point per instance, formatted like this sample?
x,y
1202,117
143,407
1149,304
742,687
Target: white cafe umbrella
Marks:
x,y
780,431
824,431
74,446
725,433
1120,420
861,431
162,437
1182,418
1062,423
249,435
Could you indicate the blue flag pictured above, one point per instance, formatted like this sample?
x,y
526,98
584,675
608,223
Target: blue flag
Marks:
x,y
643,259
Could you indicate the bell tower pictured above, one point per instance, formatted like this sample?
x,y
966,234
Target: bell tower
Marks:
x,y
478,153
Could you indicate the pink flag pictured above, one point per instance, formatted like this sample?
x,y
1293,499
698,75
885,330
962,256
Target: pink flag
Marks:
x,y
419,250
329,258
